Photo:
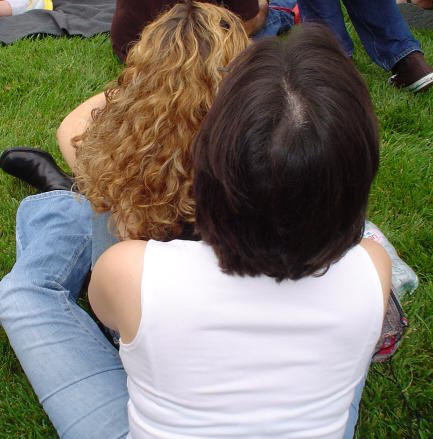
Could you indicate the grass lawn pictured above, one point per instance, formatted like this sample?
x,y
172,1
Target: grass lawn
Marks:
x,y
42,80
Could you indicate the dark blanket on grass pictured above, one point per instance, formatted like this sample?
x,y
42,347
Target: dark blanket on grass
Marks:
x,y
69,17
416,17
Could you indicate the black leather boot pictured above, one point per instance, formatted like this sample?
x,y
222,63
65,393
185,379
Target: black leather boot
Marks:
x,y
35,167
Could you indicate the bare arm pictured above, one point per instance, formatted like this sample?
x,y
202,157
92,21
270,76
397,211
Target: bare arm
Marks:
x,y
115,288
5,8
74,124
382,263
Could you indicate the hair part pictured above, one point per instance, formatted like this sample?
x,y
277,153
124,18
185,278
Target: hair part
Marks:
x,y
285,158
135,159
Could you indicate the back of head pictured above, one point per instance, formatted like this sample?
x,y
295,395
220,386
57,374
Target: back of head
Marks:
x,y
285,158
135,160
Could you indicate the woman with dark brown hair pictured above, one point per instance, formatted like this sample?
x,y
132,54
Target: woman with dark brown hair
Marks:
x,y
264,328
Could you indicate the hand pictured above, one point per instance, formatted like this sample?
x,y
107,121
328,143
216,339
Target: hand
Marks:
x,y
253,25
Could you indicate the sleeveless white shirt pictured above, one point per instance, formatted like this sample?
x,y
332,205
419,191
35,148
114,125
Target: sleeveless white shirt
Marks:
x,y
223,356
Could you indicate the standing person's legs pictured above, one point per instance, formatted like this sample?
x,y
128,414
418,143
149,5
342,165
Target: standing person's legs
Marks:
x,y
327,12
74,370
383,32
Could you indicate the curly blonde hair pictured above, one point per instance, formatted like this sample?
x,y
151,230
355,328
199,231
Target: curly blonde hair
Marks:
x,y
135,159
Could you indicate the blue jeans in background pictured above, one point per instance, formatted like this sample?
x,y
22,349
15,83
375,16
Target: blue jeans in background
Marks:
x,y
75,372
383,32
278,20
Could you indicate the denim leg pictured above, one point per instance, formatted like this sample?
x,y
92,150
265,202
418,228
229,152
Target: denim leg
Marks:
x,y
53,231
102,238
383,32
75,372
327,12
354,409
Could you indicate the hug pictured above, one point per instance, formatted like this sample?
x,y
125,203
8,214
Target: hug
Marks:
x,y
261,321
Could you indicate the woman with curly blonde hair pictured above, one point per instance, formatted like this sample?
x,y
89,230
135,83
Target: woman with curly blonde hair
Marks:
x,y
134,160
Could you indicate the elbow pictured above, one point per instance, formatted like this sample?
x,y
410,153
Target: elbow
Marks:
x,y
64,140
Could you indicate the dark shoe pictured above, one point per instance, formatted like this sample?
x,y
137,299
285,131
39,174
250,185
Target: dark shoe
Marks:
x,y
36,168
412,72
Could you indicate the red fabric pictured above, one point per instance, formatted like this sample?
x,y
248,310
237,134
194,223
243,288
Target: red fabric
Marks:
x,y
281,8
297,14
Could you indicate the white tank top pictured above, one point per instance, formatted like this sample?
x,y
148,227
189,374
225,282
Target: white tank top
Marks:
x,y
222,356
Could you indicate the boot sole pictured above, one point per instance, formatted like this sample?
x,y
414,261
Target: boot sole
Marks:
x,y
422,84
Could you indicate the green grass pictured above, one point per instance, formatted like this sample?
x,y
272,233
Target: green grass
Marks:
x,y
41,80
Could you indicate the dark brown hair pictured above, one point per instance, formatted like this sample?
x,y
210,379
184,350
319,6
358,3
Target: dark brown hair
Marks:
x,y
285,158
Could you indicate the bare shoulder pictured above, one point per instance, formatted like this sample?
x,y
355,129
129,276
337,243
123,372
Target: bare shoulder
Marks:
x,y
115,287
122,263
123,251
382,263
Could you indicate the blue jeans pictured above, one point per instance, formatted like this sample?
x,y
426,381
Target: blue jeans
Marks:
x,y
383,32
74,370
354,409
102,238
